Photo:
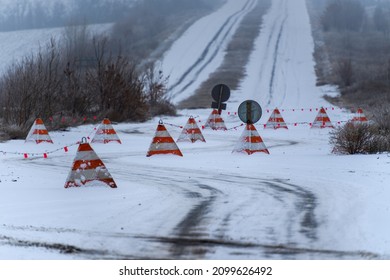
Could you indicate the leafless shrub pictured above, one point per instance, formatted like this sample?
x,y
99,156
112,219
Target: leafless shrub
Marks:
x,y
344,69
64,81
12,132
155,89
358,138
382,117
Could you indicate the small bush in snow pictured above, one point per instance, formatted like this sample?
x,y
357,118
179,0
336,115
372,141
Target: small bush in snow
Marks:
x,y
12,132
382,117
359,138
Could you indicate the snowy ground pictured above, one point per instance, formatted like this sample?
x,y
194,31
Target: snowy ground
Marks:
x,y
19,44
299,202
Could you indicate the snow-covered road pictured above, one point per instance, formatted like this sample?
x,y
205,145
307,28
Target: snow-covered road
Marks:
x,y
281,70
200,50
299,202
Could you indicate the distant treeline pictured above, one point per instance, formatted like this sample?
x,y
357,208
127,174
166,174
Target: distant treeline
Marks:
x,y
352,49
29,14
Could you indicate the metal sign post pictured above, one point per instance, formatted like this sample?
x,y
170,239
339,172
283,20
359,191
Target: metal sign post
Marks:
x,y
220,94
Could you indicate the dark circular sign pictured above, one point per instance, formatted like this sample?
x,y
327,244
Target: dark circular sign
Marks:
x,y
249,111
220,93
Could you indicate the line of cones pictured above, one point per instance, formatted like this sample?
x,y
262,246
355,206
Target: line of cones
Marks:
x,y
191,132
87,167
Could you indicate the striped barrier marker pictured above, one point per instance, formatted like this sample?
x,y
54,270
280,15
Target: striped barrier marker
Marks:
x,y
276,120
360,117
191,132
163,143
105,133
322,120
250,142
38,133
215,121
88,169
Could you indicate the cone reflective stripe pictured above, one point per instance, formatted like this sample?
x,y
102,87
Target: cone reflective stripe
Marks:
x,y
105,133
276,120
250,142
215,121
191,132
38,133
163,143
360,117
322,120
88,167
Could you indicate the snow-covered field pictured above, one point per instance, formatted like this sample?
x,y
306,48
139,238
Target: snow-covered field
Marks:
x,y
298,202
19,44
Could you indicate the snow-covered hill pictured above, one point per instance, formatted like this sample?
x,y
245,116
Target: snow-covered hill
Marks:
x,y
18,44
298,202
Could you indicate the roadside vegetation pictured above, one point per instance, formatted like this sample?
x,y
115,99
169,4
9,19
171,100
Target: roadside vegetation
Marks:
x,y
352,42
83,75
79,78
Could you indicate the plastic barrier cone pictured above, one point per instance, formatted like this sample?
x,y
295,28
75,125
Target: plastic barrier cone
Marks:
x,y
250,142
191,132
360,117
88,167
322,120
38,133
276,120
105,133
163,143
215,121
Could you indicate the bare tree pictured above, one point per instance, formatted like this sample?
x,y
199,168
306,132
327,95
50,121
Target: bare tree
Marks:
x,y
344,69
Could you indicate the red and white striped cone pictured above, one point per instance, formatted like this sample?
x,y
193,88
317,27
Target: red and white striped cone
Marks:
x,y
38,133
276,120
163,143
215,121
87,167
191,132
360,117
250,142
105,133
322,120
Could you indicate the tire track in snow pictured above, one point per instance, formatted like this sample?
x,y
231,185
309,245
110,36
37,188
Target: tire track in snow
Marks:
x,y
274,64
210,51
191,225
262,71
215,203
273,250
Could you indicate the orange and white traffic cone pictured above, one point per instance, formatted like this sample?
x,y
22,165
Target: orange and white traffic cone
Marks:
x,y
322,120
250,142
215,121
38,133
105,133
360,117
191,132
163,143
88,169
276,120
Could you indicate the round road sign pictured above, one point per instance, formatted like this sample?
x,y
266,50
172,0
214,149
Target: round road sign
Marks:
x,y
249,111
220,93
